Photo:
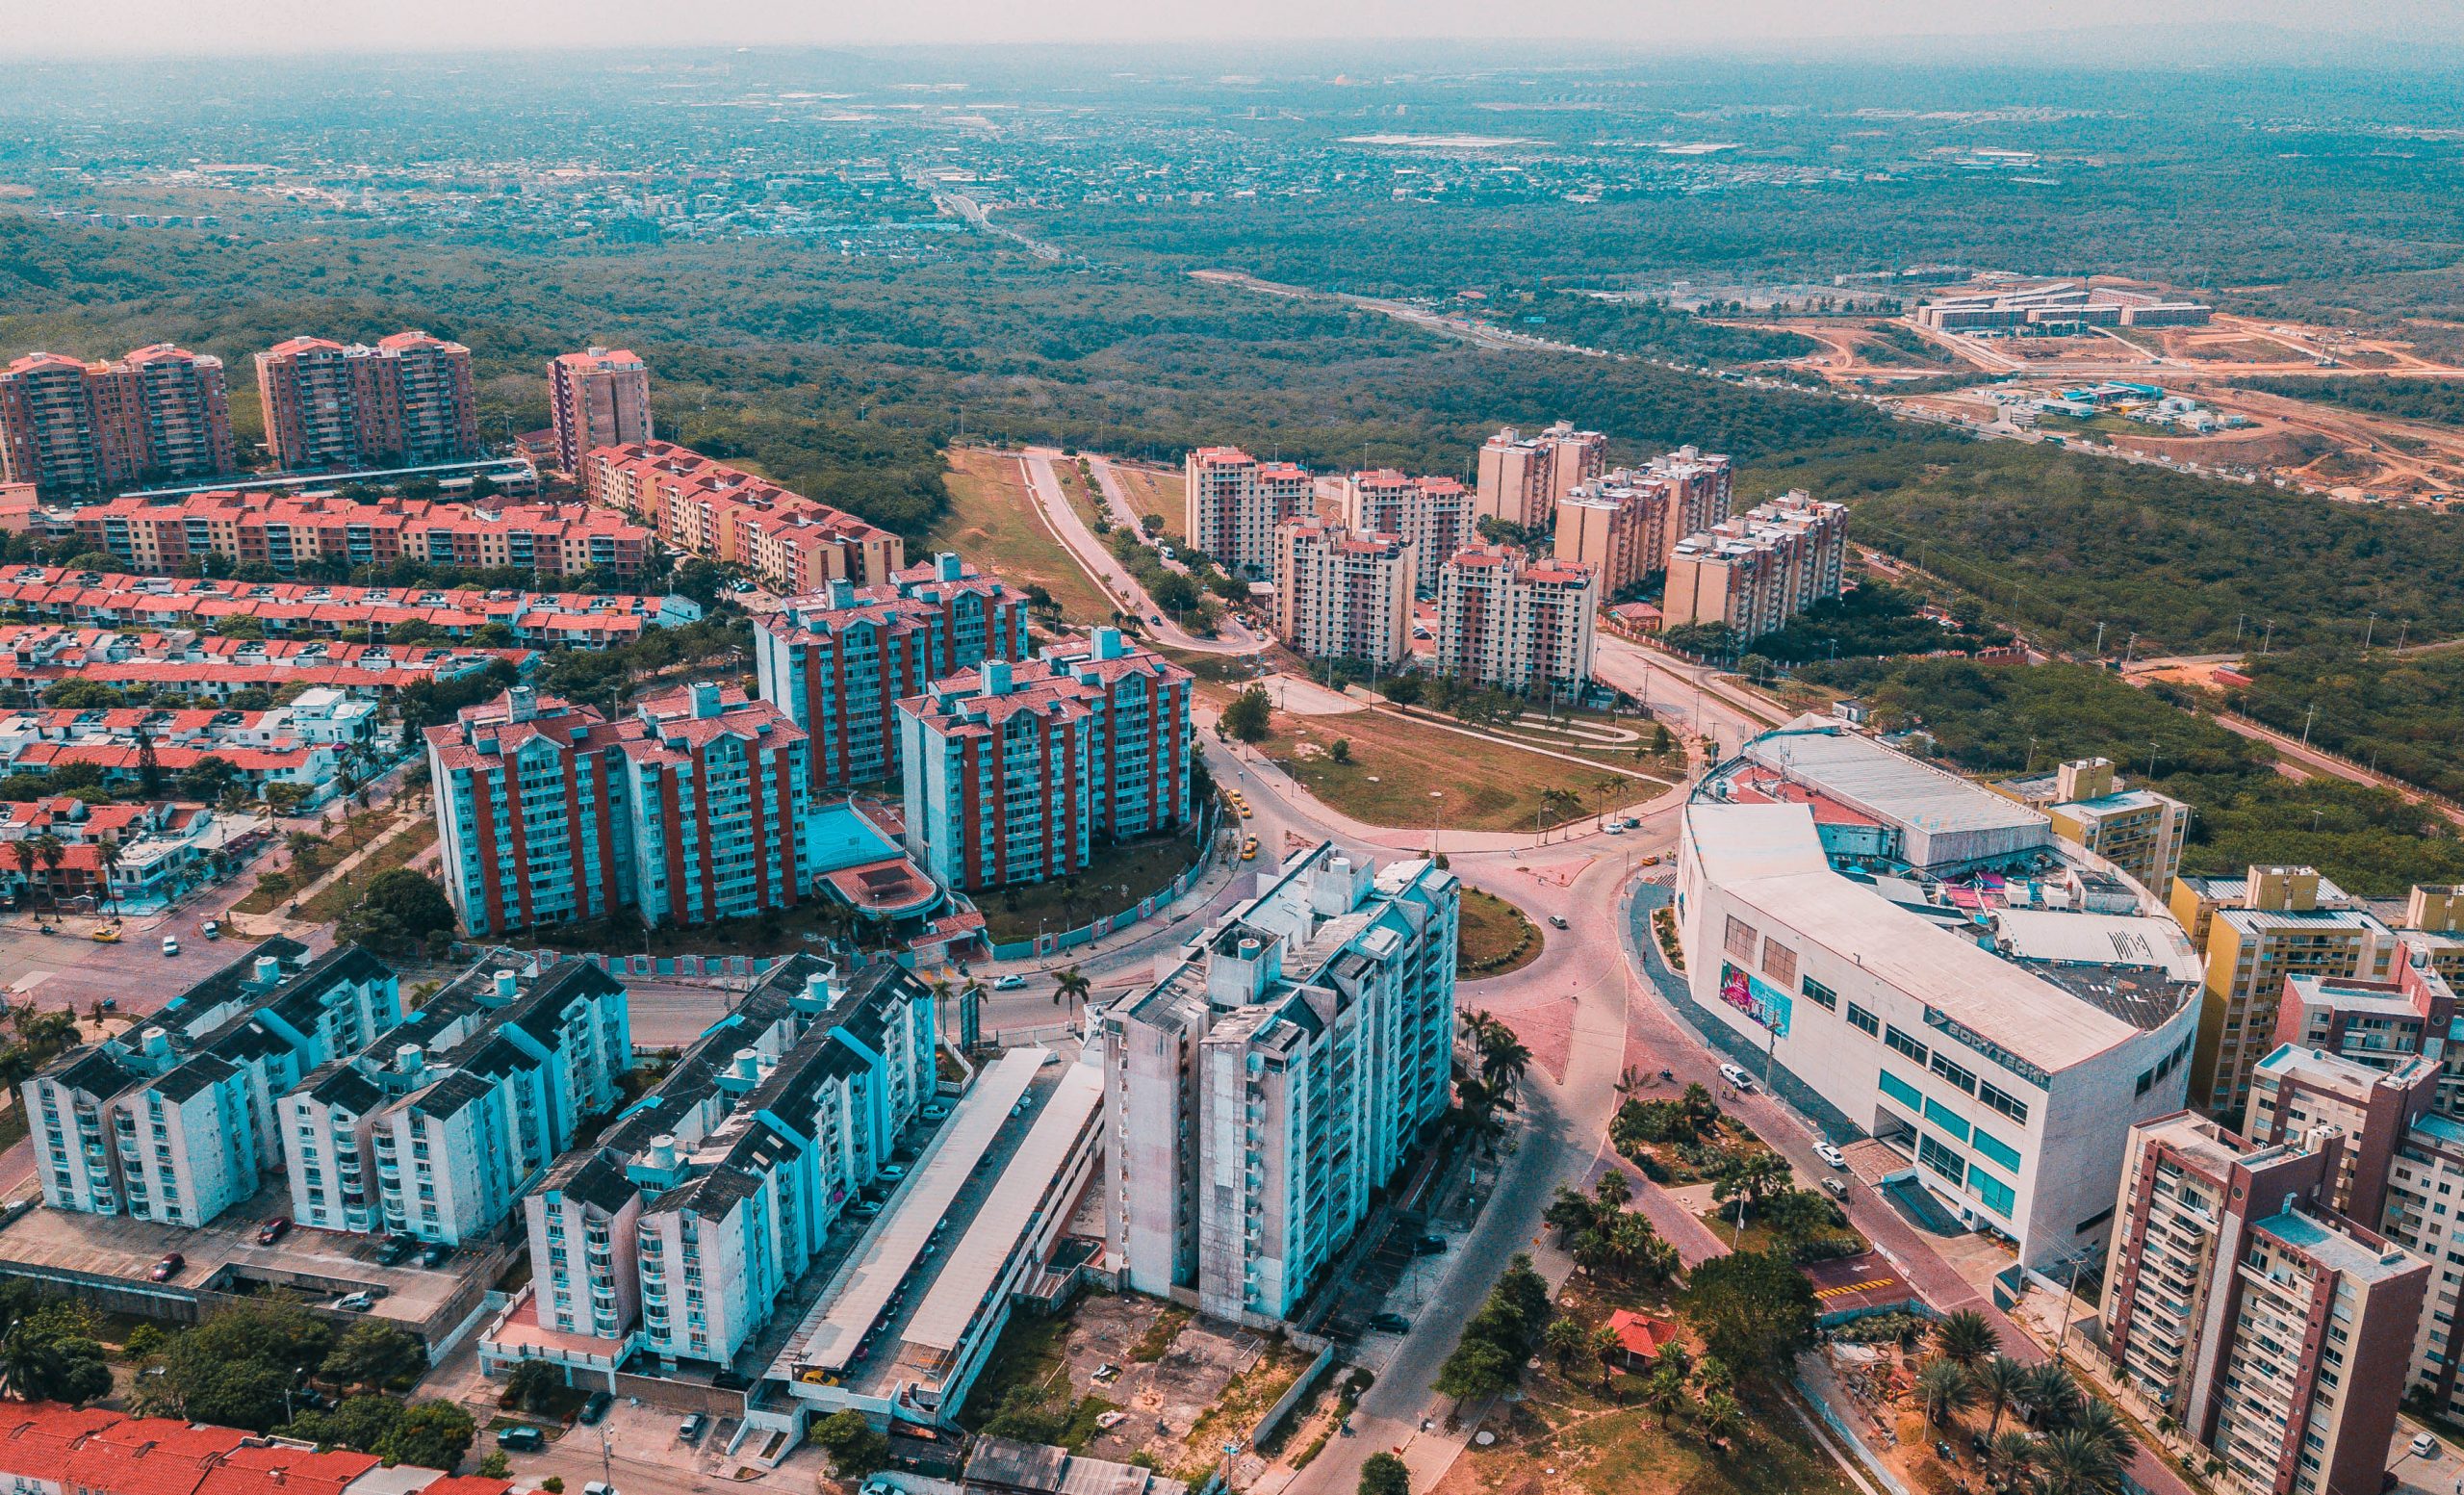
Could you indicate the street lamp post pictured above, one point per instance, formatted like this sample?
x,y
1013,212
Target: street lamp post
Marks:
x,y
1436,820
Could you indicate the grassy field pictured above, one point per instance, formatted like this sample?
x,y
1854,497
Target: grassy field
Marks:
x,y
1493,930
1396,763
1138,867
992,523
1152,492
335,899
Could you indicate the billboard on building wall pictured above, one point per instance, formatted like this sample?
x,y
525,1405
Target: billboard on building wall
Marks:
x,y
1758,1000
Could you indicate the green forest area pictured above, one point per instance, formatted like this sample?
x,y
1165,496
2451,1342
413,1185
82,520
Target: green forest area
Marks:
x,y
2401,715
2005,719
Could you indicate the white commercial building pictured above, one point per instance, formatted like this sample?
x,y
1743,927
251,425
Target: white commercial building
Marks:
x,y
1926,958
1261,1092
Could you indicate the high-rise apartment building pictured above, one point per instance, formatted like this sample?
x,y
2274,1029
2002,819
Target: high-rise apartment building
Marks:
x,y
689,810
406,401
173,1119
435,1129
160,414
839,661
1514,623
1013,771
1755,572
1344,595
2139,830
1522,478
2251,933
675,1233
1261,1093
2273,1330
1624,525
1233,502
598,398
704,507
1433,515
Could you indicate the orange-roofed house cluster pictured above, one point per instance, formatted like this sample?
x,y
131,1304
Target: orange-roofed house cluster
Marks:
x,y
36,657
286,531
702,507
56,1450
316,609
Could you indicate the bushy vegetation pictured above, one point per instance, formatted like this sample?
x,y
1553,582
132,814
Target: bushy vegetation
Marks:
x,y
2407,400
2402,713
1875,620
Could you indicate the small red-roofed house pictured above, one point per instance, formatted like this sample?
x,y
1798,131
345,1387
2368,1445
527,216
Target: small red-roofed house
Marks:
x,y
1641,1337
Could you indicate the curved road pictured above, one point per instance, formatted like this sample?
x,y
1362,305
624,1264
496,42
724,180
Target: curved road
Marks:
x,y
1088,548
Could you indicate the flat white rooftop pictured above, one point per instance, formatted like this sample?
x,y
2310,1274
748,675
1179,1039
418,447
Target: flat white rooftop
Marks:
x,y
2100,940
1893,785
848,1307
1007,1213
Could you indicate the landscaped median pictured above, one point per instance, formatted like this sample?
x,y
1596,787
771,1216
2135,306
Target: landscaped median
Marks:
x,y
1494,937
1399,771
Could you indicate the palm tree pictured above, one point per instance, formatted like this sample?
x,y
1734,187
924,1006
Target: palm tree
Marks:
x,y
108,854
1702,1112
1611,1190
1609,1350
1503,1058
1665,1391
2001,1382
2053,1397
1965,1339
25,852
1746,1177
51,852
1477,1026
1944,1390
2010,1454
1607,785
1565,1339
2103,1424
1072,986
1719,1418
2073,1463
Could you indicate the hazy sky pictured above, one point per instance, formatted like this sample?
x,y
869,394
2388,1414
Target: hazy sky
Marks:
x,y
199,26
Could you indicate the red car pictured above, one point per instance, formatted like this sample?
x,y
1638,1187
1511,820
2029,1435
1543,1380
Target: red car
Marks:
x,y
272,1231
168,1267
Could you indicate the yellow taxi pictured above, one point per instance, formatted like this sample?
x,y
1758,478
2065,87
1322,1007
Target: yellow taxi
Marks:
x,y
1249,849
106,934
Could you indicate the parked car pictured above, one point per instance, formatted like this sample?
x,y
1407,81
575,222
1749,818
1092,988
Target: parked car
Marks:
x,y
397,1251
1635,823
1837,1187
357,1303
521,1439
1008,983
595,1408
690,1430
436,1255
1738,1078
272,1231
168,1267
1829,1154
1616,829
2425,1446
894,1170
170,946
1559,921
599,1487
935,1110
1391,1324
212,929
1428,1245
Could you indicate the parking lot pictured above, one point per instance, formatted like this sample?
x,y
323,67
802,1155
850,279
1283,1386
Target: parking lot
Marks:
x,y
316,1267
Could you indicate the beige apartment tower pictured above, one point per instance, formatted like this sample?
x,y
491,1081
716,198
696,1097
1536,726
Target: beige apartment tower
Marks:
x,y
1433,515
1624,525
1514,623
1756,571
1342,594
1233,502
1522,478
598,398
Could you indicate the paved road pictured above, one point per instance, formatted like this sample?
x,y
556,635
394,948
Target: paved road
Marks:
x,y
1108,574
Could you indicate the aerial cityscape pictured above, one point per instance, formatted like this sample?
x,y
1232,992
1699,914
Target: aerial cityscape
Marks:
x,y
966,757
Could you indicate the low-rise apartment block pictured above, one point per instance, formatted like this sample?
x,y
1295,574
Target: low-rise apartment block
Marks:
x,y
406,401
435,1127
1013,771
173,1120
690,809
2139,830
599,397
1517,624
1265,1089
1433,515
287,533
1522,478
203,666
1342,594
160,850
839,661
2271,1329
704,507
1233,502
674,1235
1624,525
160,413
1752,573
2251,933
